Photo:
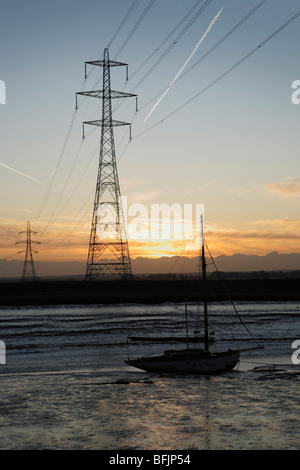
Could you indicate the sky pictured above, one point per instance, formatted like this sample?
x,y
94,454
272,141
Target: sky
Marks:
x,y
225,134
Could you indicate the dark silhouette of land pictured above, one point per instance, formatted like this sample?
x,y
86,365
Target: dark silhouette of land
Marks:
x,y
146,291
163,265
269,277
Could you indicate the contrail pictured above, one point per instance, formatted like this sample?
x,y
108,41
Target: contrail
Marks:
x,y
20,173
186,62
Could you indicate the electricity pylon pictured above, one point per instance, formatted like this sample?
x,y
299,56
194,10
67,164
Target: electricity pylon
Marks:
x,y
28,273
108,255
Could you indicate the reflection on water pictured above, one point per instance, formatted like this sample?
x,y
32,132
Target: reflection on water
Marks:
x,y
83,411
65,385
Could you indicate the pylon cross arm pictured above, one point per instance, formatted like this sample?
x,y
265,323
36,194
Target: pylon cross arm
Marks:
x,y
114,123
101,63
99,94
106,124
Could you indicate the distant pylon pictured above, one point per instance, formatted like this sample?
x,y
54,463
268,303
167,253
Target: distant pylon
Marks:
x,y
108,255
28,273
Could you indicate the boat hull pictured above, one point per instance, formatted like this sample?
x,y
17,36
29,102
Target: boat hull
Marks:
x,y
188,363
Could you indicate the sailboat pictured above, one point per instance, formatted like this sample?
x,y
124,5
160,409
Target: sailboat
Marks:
x,y
190,360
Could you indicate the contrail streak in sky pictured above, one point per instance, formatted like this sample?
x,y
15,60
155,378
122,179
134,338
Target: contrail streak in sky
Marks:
x,y
20,173
186,62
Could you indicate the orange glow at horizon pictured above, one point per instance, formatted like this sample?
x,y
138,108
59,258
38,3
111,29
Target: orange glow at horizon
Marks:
x,y
265,237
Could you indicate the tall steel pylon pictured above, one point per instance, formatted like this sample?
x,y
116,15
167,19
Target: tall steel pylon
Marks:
x,y
28,273
108,255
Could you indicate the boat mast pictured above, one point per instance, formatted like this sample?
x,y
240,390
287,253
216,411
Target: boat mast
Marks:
x,y
206,337
186,318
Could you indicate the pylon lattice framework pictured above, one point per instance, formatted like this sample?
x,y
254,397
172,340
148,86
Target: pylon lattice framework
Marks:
x,y
28,273
108,254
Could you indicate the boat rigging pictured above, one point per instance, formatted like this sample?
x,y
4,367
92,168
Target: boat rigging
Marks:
x,y
190,360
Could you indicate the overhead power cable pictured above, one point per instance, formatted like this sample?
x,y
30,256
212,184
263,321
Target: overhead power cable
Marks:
x,y
73,192
211,49
135,27
184,31
224,37
43,203
180,35
223,75
170,47
128,14
176,40
166,39
123,22
51,219
125,19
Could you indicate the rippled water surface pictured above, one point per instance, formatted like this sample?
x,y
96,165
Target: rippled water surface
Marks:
x,y
65,384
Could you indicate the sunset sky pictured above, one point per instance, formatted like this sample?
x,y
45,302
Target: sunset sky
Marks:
x,y
226,134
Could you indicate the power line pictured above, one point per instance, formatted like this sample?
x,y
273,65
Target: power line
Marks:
x,y
64,186
73,192
199,93
135,27
206,54
57,166
170,47
203,36
212,48
128,14
224,37
223,75
123,22
180,35
166,39
87,200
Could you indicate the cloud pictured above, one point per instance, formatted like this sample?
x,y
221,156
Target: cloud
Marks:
x,y
280,235
288,188
70,243
280,224
254,235
145,196
204,186
129,183
244,190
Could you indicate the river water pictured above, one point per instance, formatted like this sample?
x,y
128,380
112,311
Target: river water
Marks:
x,y
65,384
